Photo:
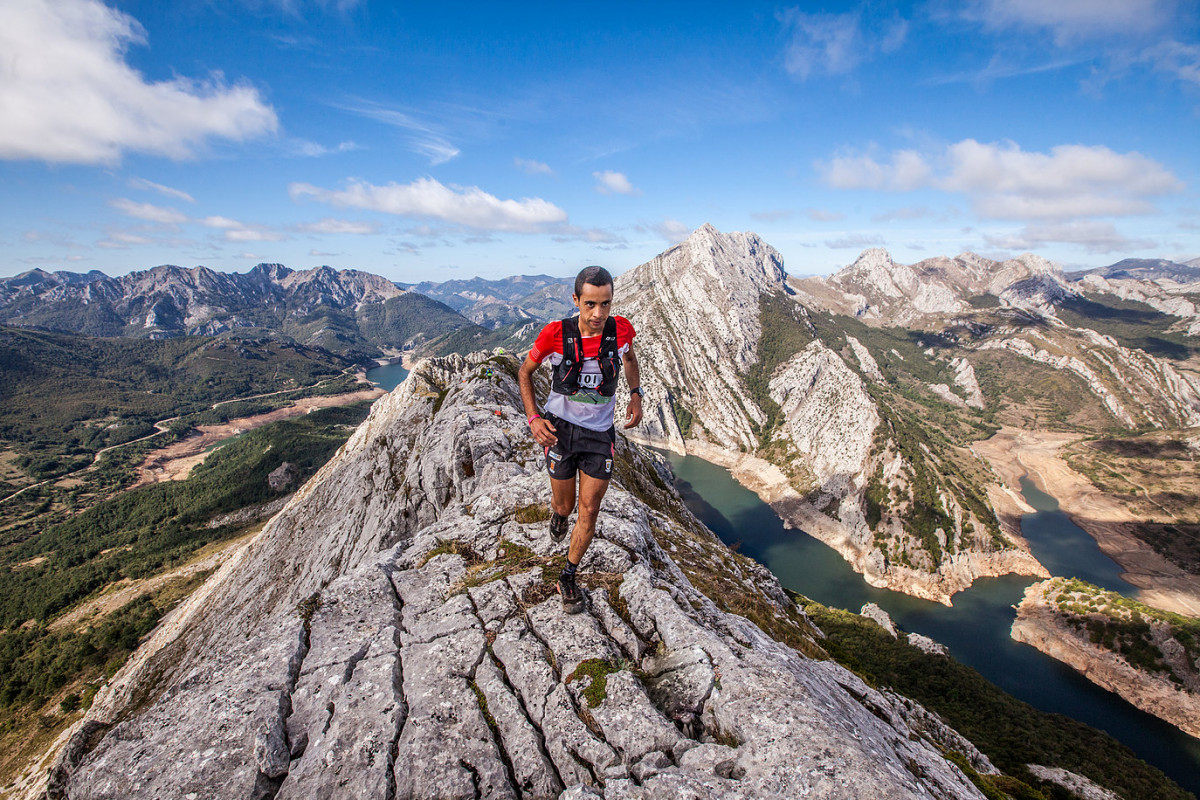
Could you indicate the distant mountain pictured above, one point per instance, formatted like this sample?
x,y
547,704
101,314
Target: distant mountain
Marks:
x,y
493,303
1148,269
876,288
343,311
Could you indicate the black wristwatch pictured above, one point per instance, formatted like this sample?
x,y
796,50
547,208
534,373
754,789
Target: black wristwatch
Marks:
x,y
638,391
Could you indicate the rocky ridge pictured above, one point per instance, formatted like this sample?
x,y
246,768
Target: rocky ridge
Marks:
x,y
392,633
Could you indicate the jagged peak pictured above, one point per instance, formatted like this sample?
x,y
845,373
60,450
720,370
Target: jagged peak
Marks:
x,y
874,256
1037,265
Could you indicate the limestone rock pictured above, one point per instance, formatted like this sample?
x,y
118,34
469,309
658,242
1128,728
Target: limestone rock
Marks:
x,y
392,633
881,617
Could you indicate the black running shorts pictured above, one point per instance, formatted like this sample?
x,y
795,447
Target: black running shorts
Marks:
x,y
580,448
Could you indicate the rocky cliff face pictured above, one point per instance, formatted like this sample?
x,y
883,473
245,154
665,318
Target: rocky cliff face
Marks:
x,y
816,413
393,633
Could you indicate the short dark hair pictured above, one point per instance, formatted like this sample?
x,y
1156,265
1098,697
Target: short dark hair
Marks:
x,y
596,276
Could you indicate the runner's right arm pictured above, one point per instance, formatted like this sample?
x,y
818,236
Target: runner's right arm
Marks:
x,y
542,430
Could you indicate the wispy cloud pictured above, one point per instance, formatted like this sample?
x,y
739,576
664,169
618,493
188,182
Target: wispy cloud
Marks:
x,y
531,167
773,215
331,225
1073,20
854,241
672,230
429,198
821,215
609,182
307,149
63,56
423,137
149,212
151,186
236,231
836,44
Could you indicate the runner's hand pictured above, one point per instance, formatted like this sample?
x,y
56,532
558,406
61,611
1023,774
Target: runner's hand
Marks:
x,y
543,434
633,411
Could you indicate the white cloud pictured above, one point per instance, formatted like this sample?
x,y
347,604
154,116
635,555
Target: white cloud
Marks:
x,y
672,230
151,186
149,212
609,182
67,95
235,231
908,170
331,225
835,44
531,167
1094,237
426,197
1070,20
821,215
253,235
220,222
122,241
1004,182
1182,60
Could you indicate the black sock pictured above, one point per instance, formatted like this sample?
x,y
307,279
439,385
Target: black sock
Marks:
x,y
569,569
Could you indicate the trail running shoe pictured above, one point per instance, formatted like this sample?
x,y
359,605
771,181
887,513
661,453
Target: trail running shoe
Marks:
x,y
571,596
558,526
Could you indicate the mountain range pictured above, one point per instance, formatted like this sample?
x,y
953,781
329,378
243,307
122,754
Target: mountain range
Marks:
x,y
344,311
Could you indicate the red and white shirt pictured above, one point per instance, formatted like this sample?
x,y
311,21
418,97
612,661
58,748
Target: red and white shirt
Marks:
x,y
586,408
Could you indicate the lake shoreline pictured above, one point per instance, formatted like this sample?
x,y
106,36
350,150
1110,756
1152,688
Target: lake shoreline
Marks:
x,y
1015,453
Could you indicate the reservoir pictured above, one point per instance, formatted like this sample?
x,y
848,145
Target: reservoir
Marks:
x,y
976,629
388,376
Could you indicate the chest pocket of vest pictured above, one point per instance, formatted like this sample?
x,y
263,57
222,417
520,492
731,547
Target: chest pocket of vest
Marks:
x,y
590,380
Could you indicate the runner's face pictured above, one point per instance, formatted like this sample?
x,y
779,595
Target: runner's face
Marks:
x,y
594,306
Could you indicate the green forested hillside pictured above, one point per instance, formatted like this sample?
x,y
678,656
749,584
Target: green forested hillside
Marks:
x,y
63,397
142,532
1009,732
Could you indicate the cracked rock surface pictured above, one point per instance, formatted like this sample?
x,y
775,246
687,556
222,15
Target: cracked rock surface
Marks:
x,y
394,633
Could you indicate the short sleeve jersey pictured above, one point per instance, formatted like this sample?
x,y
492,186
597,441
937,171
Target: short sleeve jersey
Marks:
x,y
586,408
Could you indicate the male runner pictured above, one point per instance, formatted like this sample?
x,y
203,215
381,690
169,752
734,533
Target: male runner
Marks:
x,y
577,430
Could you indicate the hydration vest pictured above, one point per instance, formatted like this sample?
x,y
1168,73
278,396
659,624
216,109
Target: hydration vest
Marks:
x,y
568,373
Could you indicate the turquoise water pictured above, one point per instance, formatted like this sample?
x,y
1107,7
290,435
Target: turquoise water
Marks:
x,y
975,629
387,377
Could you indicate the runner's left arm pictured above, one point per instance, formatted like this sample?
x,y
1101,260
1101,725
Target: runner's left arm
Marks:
x,y
633,375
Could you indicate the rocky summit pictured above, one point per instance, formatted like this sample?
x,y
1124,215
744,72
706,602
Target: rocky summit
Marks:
x,y
394,633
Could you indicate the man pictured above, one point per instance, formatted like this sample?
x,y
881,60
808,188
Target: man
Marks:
x,y
576,430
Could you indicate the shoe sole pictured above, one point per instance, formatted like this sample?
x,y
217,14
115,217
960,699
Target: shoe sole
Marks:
x,y
571,606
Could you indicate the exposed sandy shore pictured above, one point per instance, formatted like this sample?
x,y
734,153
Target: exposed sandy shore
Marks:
x,y
175,462
1014,453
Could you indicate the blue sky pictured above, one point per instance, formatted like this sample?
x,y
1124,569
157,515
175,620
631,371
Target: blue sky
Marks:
x,y
439,141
